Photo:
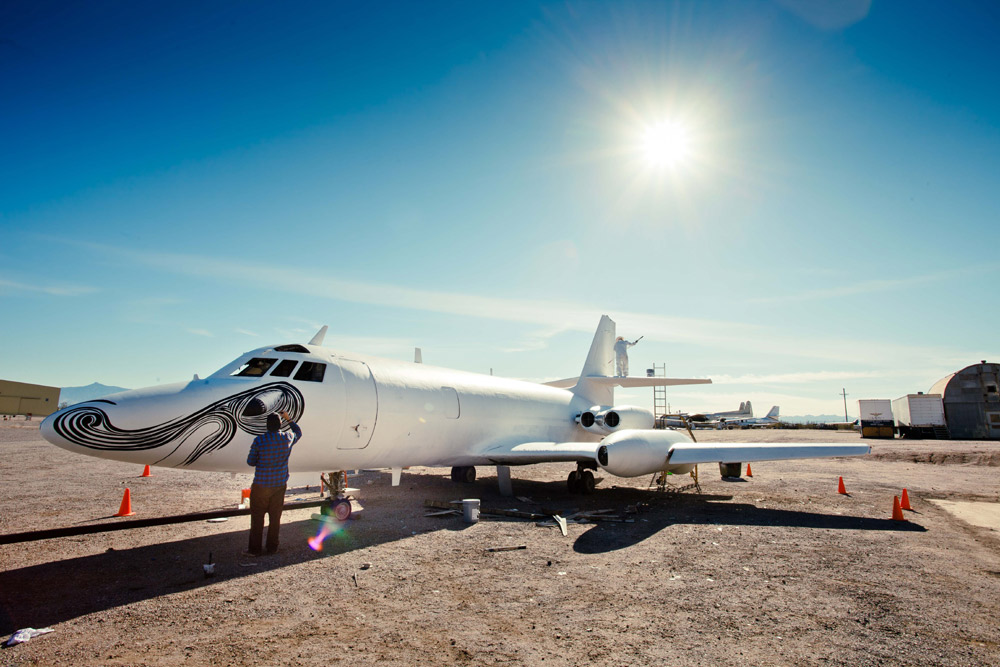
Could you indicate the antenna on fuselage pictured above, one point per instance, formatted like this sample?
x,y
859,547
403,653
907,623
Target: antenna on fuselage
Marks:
x,y
318,338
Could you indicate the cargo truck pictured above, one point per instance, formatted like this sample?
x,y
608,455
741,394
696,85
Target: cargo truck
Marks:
x,y
876,418
919,415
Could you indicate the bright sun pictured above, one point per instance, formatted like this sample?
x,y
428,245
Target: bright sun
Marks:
x,y
666,144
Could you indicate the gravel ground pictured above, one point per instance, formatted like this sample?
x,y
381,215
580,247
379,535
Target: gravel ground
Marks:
x,y
777,569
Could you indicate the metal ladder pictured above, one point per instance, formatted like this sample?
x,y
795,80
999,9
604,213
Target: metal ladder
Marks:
x,y
659,393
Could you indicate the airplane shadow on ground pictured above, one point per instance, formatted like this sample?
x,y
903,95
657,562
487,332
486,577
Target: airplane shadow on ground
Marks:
x,y
704,509
58,591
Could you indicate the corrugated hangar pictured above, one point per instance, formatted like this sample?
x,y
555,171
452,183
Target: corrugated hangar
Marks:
x,y
971,399
21,398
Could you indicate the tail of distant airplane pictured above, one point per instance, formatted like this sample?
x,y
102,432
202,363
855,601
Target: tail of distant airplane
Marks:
x,y
746,408
773,412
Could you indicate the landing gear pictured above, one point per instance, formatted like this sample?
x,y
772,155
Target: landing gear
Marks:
x,y
339,508
338,505
463,474
731,469
581,481
573,482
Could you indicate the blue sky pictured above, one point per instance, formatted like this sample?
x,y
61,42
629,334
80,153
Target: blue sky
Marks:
x,y
183,182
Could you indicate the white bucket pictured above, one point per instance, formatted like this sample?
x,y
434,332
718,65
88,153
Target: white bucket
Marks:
x,y
470,510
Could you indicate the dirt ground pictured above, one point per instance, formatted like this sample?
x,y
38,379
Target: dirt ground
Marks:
x,y
777,569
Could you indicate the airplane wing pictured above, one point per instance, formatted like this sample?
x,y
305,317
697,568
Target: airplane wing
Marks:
x,y
547,452
542,452
742,452
628,381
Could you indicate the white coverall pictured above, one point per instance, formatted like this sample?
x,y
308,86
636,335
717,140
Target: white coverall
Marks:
x,y
621,356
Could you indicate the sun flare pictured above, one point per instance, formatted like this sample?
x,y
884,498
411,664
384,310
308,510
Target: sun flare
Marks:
x,y
666,144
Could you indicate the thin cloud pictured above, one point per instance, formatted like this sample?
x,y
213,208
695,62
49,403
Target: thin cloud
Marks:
x,y
201,332
246,332
51,290
795,378
562,315
873,286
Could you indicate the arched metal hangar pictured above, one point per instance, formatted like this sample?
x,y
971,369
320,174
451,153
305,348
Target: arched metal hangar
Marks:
x,y
971,400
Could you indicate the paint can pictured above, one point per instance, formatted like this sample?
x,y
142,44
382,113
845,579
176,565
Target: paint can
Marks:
x,y
470,510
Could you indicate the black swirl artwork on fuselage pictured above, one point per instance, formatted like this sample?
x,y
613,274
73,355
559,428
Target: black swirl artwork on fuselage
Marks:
x,y
89,426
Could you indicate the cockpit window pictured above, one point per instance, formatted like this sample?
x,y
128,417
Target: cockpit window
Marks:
x,y
294,347
284,369
311,371
255,367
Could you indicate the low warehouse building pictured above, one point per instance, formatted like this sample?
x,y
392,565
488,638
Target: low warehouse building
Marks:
x,y
972,401
21,398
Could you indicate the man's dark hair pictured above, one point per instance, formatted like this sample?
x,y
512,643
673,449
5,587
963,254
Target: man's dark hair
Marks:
x,y
273,422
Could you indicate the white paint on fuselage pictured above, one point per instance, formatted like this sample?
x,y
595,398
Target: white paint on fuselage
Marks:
x,y
414,419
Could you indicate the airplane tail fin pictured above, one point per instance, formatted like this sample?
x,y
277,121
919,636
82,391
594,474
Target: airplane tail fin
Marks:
x,y
600,363
773,412
748,409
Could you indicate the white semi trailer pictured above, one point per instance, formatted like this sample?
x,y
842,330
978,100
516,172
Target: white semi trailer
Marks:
x,y
919,416
876,418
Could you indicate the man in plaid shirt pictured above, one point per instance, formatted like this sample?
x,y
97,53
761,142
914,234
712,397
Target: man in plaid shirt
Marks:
x,y
269,455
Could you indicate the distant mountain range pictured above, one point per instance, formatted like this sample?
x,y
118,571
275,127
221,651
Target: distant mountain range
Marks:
x,y
813,419
71,395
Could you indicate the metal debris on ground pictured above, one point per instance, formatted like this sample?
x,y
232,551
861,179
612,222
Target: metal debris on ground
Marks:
x,y
26,634
517,548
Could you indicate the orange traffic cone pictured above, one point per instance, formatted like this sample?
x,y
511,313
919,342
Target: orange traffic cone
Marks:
x,y
146,473
897,513
840,486
749,474
126,508
905,502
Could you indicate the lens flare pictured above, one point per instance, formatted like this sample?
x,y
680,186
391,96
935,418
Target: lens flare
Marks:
x,y
328,526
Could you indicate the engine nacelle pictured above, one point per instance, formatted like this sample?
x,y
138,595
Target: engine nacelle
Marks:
x,y
630,453
611,420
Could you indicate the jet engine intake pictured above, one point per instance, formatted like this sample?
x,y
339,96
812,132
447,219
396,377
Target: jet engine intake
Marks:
x,y
609,420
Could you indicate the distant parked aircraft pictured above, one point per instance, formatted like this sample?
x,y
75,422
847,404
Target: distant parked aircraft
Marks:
x,y
770,419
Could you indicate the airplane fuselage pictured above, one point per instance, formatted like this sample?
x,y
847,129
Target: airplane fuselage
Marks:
x,y
355,412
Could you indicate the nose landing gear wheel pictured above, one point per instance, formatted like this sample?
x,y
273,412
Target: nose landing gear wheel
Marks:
x,y
464,474
587,482
339,508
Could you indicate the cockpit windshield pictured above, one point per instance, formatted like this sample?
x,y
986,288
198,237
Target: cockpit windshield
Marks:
x,y
256,367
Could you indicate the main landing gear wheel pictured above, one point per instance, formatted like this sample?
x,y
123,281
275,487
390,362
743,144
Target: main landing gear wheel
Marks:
x,y
464,474
581,481
573,482
339,508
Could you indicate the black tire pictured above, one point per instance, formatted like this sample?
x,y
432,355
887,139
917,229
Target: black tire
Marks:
x,y
573,482
342,509
587,482
731,469
468,474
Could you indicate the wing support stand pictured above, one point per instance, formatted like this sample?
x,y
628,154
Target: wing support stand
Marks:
x,y
503,479
664,486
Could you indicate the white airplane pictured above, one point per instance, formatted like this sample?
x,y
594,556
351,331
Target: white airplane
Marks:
x,y
357,411
745,412
770,419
